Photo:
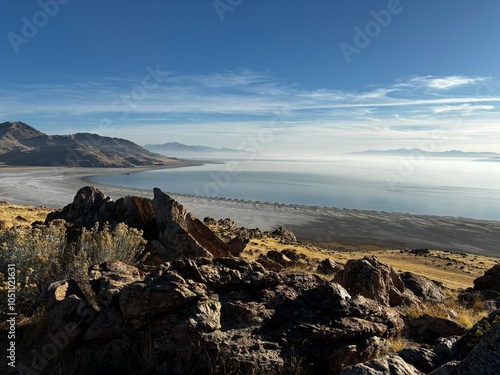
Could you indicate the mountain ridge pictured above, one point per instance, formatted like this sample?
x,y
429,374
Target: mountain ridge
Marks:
x,y
176,148
405,151
23,145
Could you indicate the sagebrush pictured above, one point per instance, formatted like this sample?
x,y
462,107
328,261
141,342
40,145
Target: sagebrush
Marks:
x,y
42,254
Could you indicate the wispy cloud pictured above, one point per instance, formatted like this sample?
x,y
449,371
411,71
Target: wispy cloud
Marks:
x,y
443,83
238,101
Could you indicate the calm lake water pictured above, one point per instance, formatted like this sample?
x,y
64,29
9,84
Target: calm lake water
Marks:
x,y
436,186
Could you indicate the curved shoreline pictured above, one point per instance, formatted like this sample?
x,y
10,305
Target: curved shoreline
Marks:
x,y
56,187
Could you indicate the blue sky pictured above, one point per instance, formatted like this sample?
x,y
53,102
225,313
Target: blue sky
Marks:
x,y
286,76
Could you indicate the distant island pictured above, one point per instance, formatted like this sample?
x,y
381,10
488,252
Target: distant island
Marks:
x,y
450,153
177,149
23,145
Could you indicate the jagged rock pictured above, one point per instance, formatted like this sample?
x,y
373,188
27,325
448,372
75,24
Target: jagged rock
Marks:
x,y
171,231
107,279
490,280
228,223
291,254
279,258
181,232
69,319
285,235
483,359
429,328
269,264
328,267
59,290
446,350
231,310
85,210
237,245
373,279
387,365
422,359
421,286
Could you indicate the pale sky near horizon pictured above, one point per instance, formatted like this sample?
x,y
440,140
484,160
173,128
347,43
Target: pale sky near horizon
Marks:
x,y
289,76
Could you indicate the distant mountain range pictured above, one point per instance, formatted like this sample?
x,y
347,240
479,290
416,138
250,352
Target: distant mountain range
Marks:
x,y
21,144
182,150
451,153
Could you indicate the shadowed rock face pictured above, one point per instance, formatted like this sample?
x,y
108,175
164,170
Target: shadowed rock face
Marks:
x,y
166,223
490,280
235,309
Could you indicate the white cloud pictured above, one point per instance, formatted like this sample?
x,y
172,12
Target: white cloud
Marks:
x,y
230,104
466,108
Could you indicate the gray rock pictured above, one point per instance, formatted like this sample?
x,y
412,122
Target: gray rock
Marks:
x,y
372,279
490,280
421,286
387,365
429,328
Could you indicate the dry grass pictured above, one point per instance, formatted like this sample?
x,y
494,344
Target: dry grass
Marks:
x,y
13,214
456,271
450,309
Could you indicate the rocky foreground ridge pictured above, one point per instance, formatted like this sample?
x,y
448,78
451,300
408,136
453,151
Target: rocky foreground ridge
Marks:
x,y
195,306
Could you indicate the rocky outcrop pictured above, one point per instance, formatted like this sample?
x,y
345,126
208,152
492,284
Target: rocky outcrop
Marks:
x,y
372,279
229,309
490,280
171,230
484,358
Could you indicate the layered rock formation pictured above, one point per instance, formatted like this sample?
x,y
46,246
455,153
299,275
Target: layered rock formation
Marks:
x,y
171,231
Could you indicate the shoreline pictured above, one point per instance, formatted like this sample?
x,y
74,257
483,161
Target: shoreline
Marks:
x,y
37,186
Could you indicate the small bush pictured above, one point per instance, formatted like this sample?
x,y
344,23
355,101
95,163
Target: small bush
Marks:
x,y
42,255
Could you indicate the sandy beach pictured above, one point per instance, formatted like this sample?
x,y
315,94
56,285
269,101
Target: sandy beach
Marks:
x,y
56,187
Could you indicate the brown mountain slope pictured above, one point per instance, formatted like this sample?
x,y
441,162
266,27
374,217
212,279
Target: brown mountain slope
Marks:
x,y
21,144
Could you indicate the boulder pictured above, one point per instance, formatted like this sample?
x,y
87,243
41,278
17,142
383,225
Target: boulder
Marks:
x,y
387,365
285,235
372,279
421,286
483,359
279,258
68,320
328,267
60,290
237,245
490,280
421,358
107,279
429,328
